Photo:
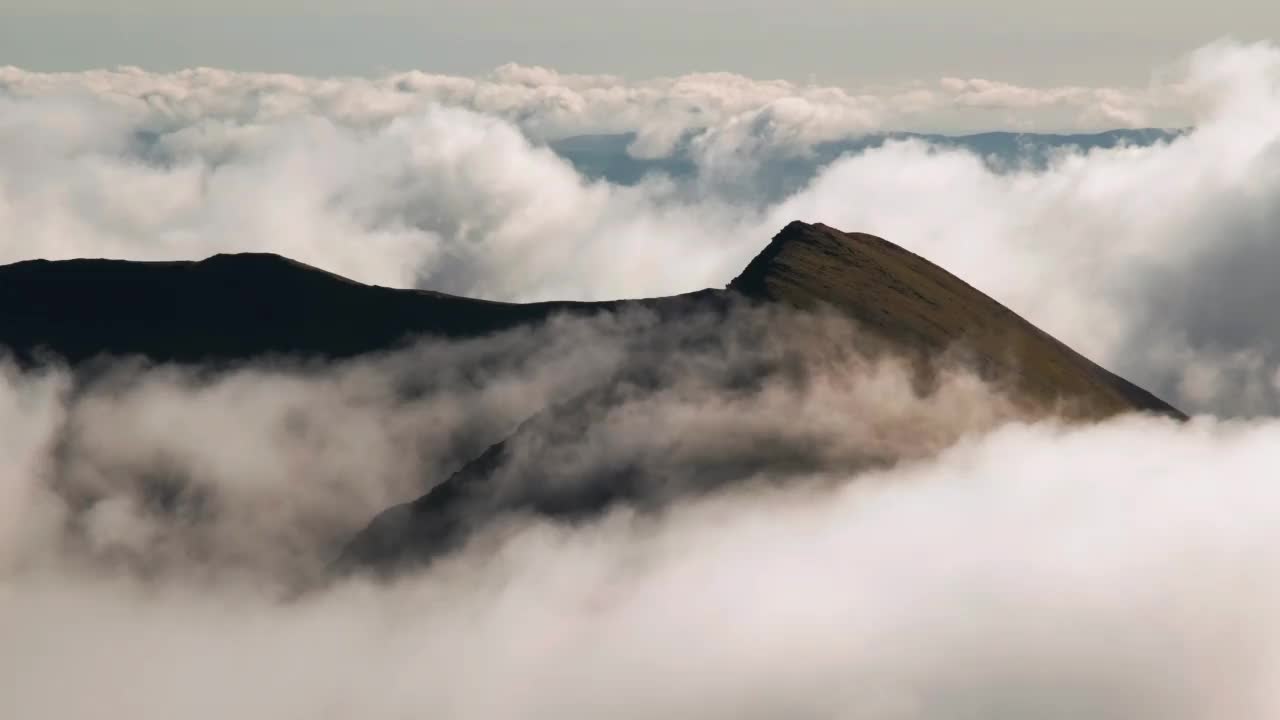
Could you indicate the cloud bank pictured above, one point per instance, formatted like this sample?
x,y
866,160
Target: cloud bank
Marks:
x,y
548,104
1120,570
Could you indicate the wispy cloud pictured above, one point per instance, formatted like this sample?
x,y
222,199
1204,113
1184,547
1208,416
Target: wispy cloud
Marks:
x,y
1118,570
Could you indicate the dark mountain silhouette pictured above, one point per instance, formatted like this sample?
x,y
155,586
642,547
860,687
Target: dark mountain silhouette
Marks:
x,y
236,308
232,308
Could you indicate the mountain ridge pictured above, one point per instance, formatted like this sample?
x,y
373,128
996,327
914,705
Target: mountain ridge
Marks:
x,y
231,308
236,308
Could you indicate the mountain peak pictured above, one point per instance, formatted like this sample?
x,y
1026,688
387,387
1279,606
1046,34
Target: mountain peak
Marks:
x,y
797,240
924,310
265,267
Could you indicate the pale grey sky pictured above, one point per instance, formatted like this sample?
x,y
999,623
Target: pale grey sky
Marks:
x,y
859,41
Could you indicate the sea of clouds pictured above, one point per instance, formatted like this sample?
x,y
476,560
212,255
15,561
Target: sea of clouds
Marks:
x,y
153,520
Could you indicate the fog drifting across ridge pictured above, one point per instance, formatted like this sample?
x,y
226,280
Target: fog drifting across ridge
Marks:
x,y
267,470
1120,570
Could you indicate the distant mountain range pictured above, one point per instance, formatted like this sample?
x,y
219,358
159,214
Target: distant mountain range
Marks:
x,y
606,156
235,308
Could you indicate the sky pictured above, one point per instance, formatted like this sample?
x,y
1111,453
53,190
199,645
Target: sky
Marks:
x,y
870,41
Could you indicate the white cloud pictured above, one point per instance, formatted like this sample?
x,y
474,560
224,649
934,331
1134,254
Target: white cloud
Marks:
x,y
549,104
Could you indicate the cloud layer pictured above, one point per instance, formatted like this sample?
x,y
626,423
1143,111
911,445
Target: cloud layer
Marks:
x,y
1120,570
548,104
